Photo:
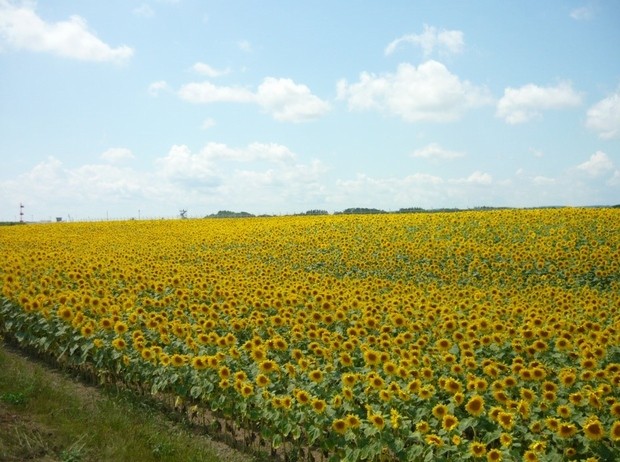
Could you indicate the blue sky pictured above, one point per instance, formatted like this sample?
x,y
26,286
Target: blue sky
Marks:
x,y
122,108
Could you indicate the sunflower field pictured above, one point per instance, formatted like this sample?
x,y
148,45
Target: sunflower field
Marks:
x,y
475,335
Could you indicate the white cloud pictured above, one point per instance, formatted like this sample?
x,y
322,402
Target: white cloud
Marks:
x,y
519,105
244,45
157,87
536,152
206,92
582,13
431,38
426,93
209,71
544,180
180,165
114,155
208,123
604,117
479,178
283,99
270,152
435,151
22,29
414,190
290,102
144,10
598,164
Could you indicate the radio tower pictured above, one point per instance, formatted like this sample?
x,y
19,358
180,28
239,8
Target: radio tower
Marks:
x,y
21,212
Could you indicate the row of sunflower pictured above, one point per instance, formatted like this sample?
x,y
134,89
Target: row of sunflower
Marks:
x,y
482,335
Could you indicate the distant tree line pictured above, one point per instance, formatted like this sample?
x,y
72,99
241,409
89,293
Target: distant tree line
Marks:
x,y
229,214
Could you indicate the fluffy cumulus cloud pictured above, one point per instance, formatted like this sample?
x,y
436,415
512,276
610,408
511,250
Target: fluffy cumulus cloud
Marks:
x,y
270,178
209,71
429,92
207,92
114,155
288,101
597,165
157,87
430,39
21,28
414,190
259,177
283,99
435,151
519,105
604,117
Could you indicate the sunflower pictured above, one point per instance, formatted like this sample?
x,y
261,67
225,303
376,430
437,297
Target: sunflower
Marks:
x,y
477,449
223,384
318,405
268,366
371,357
569,453
505,440
576,398
443,344
614,432
506,420
106,323
262,380
395,418
433,440
453,386
345,359
566,430
426,392
352,420
316,375
449,422
530,456
120,327
65,313
178,360
413,386
377,420
475,405
377,382
567,379
494,455
538,446
339,426
527,394
246,389
302,397
552,423
563,411
385,395
593,429
440,410
147,354
536,426
422,426
119,343
87,330
258,354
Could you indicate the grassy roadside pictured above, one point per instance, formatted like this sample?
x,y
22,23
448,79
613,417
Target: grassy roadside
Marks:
x,y
46,416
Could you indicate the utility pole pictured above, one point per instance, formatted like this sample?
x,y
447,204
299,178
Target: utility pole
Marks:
x,y
21,212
